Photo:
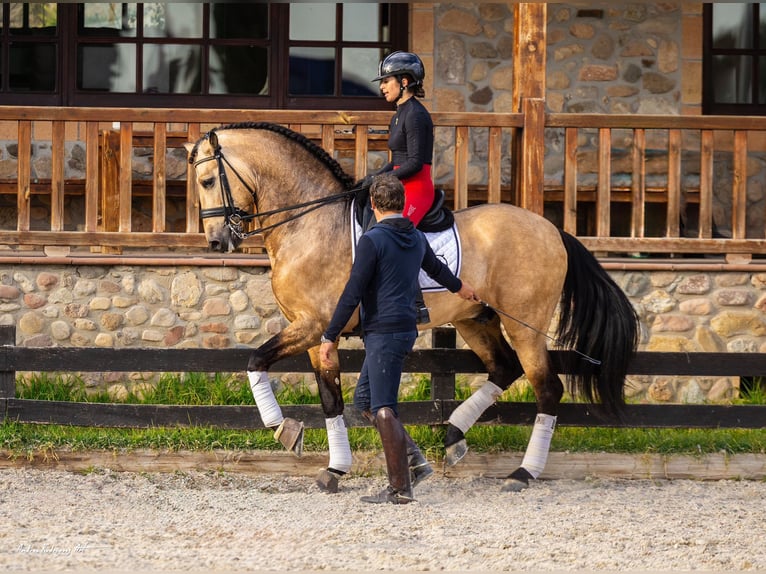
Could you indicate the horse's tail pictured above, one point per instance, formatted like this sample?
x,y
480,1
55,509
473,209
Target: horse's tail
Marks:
x,y
597,320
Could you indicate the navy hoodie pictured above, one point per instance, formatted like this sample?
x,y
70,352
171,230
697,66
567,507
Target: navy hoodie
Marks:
x,y
384,278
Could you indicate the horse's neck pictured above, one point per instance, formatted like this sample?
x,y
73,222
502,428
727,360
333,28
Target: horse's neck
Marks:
x,y
320,235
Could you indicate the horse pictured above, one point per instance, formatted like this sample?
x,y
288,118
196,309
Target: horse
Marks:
x,y
524,269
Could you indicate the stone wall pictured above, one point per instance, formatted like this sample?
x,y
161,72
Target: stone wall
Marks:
x,y
198,307
601,57
606,58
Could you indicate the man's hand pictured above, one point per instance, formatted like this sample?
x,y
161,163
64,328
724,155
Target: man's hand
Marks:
x,y
325,353
468,293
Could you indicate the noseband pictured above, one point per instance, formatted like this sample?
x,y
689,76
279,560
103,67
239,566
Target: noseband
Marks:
x,y
234,217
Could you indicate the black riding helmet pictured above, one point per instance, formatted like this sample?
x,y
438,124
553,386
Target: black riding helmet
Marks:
x,y
399,64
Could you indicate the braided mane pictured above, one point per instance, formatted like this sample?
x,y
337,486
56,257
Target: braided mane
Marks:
x,y
317,151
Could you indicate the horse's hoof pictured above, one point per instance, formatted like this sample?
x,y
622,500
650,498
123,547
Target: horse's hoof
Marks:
x,y
517,481
514,485
327,481
290,434
454,453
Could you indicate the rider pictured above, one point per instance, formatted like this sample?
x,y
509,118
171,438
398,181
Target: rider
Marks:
x,y
410,139
411,132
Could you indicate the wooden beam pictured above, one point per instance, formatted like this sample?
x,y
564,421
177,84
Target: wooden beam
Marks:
x,y
673,223
125,192
461,167
91,176
532,156
570,181
638,184
529,52
529,56
58,151
159,197
739,187
604,190
24,175
706,185
494,164
192,195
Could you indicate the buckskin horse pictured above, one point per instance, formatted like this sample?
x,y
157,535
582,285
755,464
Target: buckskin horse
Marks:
x,y
521,265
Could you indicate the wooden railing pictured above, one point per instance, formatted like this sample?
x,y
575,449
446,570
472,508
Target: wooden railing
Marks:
x,y
608,163
442,361
692,153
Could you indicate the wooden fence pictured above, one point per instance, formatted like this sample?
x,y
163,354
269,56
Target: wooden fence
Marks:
x,y
443,362
646,164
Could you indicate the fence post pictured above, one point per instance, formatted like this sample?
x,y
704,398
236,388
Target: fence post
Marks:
x,y
7,377
443,384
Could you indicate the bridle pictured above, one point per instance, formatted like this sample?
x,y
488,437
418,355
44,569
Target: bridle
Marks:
x,y
234,217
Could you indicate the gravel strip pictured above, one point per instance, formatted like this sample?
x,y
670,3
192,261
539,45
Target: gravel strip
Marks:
x,y
205,521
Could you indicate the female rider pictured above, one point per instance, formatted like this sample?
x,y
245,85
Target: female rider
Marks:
x,y
411,133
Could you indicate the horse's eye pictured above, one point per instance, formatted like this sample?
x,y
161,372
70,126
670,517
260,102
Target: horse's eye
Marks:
x,y
208,182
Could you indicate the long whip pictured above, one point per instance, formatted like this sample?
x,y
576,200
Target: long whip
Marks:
x,y
538,331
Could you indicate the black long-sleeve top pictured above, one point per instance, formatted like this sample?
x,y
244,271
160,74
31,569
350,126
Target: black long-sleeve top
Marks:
x,y
410,139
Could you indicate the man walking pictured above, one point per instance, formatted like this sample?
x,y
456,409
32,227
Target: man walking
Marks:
x,y
384,280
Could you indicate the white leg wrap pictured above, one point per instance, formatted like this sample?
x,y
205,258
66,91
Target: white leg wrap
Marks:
x,y
539,444
340,449
472,408
271,413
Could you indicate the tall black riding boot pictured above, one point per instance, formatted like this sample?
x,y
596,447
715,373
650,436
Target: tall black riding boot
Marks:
x,y
422,316
420,468
392,436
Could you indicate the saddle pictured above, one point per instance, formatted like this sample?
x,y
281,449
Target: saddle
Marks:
x,y
438,218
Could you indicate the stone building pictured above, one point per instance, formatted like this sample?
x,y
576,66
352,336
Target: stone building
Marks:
x,y
606,58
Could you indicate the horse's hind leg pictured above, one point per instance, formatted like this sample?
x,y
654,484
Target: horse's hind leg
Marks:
x,y
486,339
549,389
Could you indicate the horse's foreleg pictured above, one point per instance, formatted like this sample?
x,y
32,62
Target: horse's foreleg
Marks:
x,y
287,431
488,342
331,397
548,392
289,342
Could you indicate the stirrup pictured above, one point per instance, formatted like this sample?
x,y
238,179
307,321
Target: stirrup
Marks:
x,y
290,434
422,315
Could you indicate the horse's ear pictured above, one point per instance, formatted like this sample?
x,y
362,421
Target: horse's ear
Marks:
x,y
189,147
214,140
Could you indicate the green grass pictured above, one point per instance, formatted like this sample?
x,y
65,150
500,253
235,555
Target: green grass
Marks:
x,y
201,389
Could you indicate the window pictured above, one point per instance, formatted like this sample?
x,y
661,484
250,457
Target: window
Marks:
x,y
29,52
734,76
170,54
334,50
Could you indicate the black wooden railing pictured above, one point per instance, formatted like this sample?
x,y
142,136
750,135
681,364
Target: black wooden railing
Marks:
x,y
443,362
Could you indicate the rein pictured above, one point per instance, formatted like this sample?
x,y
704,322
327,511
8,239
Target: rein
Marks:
x,y
234,217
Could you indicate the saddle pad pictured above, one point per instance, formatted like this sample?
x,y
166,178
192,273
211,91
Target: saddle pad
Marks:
x,y
445,244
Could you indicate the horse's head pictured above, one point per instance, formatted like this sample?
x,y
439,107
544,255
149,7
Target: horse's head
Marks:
x,y
225,205
264,169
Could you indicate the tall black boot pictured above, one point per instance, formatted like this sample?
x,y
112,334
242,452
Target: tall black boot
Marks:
x,y
422,316
392,436
420,468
